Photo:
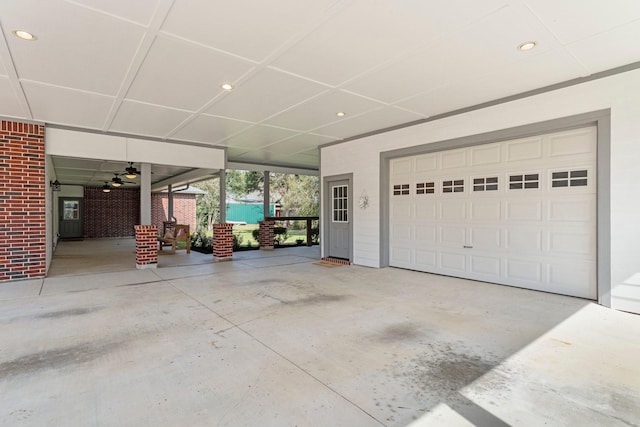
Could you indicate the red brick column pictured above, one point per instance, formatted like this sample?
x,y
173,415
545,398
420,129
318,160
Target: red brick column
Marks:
x,y
22,201
266,235
222,242
146,246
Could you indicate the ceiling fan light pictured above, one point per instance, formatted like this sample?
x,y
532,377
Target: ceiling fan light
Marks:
x,y
130,175
116,184
106,188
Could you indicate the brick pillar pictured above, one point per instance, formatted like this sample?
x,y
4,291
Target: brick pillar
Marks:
x,y
22,201
146,246
266,235
222,242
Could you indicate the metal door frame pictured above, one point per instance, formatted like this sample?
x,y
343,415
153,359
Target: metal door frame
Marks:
x,y
327,212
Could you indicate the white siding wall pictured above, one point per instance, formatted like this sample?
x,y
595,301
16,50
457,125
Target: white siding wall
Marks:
x,y
619,92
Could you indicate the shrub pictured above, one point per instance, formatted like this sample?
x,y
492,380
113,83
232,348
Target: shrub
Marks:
x,y
237,241
315,234
280,235
256,234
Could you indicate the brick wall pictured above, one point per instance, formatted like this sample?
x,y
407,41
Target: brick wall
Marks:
x,y
222,242
22,201
184,209
266,235
146,246
111,214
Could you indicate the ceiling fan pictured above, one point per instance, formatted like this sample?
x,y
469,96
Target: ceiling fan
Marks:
x,y
131,172
116,181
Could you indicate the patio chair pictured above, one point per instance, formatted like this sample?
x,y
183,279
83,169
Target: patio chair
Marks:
x,y
168,236
182,238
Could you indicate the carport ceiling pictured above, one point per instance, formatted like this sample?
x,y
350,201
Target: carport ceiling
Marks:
x,y
95,173
154,68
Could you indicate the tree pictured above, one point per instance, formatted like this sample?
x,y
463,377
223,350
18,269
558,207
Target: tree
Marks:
x,y
208,205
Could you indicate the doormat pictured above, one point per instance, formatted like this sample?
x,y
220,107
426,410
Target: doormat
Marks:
x,y
335,261
327,264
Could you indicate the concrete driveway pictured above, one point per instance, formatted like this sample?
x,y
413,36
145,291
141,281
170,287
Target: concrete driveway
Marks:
x,y
285,342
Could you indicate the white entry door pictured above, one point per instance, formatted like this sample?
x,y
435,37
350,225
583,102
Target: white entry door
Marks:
x,y
519,212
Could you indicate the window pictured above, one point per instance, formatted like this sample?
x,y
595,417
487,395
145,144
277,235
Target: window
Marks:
x,y
485,184
453,186
425,188
340,203
401,190
577,178
518,182
71,210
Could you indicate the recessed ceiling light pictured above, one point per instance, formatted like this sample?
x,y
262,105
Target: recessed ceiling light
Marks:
x,y
227,86
341,114
24,35
527,46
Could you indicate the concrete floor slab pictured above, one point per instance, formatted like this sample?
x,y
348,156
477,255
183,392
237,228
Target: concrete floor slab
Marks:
x,y
20,289
242,344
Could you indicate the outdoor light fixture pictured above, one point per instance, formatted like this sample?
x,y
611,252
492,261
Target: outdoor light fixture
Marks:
x,y
227,86
341,114
24,35
106,188
131,172
527,46
55,185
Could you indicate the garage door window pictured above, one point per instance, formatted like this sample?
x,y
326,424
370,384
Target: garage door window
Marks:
x,y
524,181
485,184
454,186
576,178
401,190
425,188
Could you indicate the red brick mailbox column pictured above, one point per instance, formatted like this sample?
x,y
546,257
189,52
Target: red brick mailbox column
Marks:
x,y
266,235
146,246
222,242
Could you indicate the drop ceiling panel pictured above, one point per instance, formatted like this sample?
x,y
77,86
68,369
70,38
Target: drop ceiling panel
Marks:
x,y
384,118
84,50
596,52
264,95
322,110
258,137
368,34
209,129
139,11
571,21
474,52
249,29
65,106
533,72
9,105
182,75
299,143
145,119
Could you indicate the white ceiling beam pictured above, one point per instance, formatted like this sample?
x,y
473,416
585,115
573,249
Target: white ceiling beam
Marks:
x,y
192,176
277,169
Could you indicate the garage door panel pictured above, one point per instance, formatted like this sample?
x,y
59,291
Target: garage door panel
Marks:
x,y
485,238
571,210
523,240
571,143
486,155
426,234
426,163
576,243
400,167
453,235
426,260
485,265
400,255
401,232
523,210
453,262
453,159
519,270
485,210
402,212
576,279
527,149
519,212
426,210
453,210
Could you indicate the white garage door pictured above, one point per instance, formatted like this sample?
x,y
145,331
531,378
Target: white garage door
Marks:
x,y
519,213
